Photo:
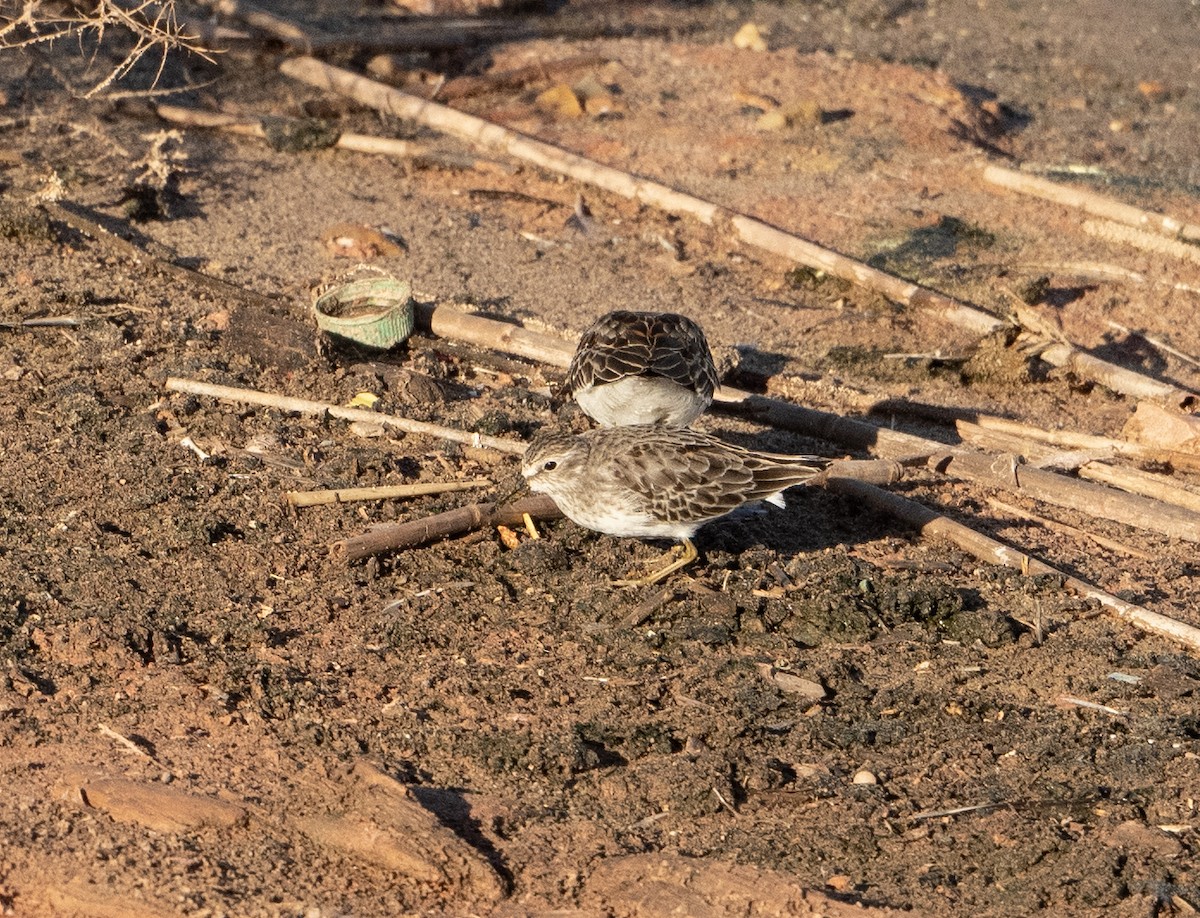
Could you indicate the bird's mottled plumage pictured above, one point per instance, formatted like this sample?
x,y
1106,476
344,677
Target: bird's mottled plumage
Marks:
x,y
656,482
642,368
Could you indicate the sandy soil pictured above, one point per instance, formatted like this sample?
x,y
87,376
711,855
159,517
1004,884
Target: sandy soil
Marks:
x,y
205,713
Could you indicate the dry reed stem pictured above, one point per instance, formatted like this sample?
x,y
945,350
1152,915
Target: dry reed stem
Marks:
x,y
1148,242
322,409
252,127
383,492
1007,472
933,524
1096,204
1065,529
1159,487
754,232
1069,439
394,536
415,34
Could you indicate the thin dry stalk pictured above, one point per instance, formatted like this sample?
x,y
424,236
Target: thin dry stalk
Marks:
x,y
747,229
1148,484
324,409
1096,204
1074,702
1086,464
252,127
125,741
1118,379
383,492
394,536
1069,439
1065,529
1148,242
933,524
1039,455
1007,472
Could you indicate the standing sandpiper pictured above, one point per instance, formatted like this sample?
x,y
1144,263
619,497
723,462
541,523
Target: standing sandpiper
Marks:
x,y
656,482
642,368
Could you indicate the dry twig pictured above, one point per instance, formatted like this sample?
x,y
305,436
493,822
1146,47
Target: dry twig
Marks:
x,y
383,492
1069,439
322,409
152,24
1099,501
393,536
1159,487
1056,526
416,34
253,127
1096,204
1148,242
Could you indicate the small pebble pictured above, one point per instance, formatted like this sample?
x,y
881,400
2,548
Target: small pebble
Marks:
x,y
772,121
560,100
750,38
862,776
1153,90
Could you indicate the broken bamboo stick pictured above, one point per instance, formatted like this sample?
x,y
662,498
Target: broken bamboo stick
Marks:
x,y
1147,242
321,409
1148,484
1096,204
748,229
383,492
253,127
1006,471
1069,439
1066,529
932,524
393,536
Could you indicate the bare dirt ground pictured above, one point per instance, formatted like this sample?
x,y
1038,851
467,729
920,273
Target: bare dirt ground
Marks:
x,y
205,713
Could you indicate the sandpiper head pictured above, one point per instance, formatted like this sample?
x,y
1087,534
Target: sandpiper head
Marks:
x,y
550,463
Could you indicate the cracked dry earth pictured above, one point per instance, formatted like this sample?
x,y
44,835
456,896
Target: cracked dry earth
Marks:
x,y
205,713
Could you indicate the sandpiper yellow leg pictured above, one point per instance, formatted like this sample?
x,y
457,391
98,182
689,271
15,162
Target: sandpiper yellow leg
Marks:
x,y
686,557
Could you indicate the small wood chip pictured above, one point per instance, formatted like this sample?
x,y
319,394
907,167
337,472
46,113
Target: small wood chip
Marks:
x,y
803,689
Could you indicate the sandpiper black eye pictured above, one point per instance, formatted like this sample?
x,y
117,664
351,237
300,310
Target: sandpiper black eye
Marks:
x,y
550,466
